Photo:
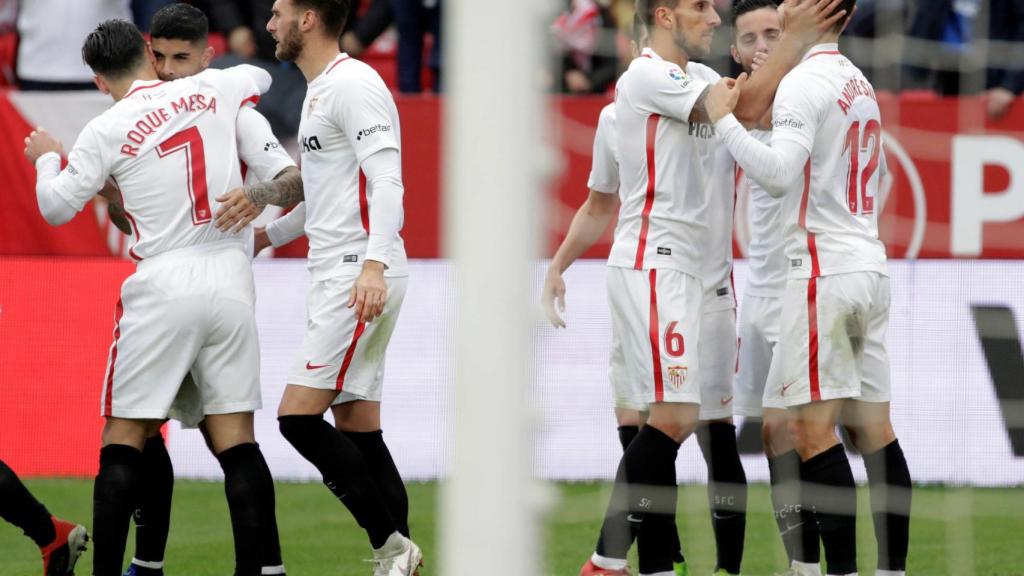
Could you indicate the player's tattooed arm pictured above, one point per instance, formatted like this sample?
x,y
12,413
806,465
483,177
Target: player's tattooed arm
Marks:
x,y
699,112
241,206
115,210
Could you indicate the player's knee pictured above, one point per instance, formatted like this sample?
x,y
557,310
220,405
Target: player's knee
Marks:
x,y
296,429
775,435
871,439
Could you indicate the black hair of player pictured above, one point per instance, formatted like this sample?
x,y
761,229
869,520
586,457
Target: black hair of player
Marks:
x,y
114,49
639,29
742,7
180,21
646,8
333,13
847,5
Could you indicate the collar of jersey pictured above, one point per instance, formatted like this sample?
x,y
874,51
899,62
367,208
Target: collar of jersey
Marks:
x,y
142,85
341,57
649,53
830,48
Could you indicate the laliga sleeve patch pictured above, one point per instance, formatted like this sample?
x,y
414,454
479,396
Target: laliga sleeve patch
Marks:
x,y
678,76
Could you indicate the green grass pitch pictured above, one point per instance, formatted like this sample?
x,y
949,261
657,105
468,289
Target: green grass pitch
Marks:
x,y
955,532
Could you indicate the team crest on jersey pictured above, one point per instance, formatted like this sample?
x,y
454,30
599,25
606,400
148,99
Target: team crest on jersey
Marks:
x,y
677,75
312,104
676,376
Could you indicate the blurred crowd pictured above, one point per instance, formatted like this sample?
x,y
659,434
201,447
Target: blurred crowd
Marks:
x,y
943,46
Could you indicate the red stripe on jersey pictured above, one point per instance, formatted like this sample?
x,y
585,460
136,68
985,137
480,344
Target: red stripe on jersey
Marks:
x,y
134,90
336,63
364,203
655,333
245,169
255,99
812,291
135,227
645,218
340,384
822,53
108,397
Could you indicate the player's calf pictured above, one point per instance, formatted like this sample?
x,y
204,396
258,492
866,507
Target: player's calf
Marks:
x,y
727,491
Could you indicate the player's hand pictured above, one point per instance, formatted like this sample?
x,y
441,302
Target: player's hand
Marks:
x,y
807,20
370,292
998,101
261,241
723,97
40,142
759,59
553,292
236,211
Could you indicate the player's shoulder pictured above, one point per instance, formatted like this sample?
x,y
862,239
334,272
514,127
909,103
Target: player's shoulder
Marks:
x,y
607,116
651,71
350,74
702,72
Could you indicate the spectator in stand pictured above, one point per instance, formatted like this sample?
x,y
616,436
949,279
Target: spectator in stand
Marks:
x,y
586,37
948,25
49,50
244,25
362,30
1006,24
414,19
144,10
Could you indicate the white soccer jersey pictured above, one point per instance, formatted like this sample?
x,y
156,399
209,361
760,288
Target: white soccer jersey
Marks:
x,y
827,106
766,255
604,168
348,115
170,148
666,166
717,248
262,156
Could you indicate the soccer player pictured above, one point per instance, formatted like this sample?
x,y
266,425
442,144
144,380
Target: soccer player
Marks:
x,y
352,180
60,542
756,31
669,163
178,42
825,161
189,304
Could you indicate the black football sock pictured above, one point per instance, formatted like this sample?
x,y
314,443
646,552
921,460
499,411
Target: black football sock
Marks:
x,y
651,490
889,479
797,526
114,499
344,472
271,538
385,475
627,434
153,515
250,491
19,507
727,492
829,491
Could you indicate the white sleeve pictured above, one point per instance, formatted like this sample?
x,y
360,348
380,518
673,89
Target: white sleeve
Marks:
x,y
289,227
668,91
362,110
796,112
258,147
604,169
384,184
63,193
776,168
243,83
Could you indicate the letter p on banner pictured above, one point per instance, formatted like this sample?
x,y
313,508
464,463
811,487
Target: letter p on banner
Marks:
x,y
972,207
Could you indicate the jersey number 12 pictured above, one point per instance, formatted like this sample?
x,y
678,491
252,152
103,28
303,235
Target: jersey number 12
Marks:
x,y
857,185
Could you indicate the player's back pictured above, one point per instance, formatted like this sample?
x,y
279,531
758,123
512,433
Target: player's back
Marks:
x,y
833,224
170,148
666,165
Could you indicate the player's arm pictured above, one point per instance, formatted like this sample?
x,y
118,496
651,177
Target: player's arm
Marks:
x,y
115,210
63,193
285,229
777,167
589,223
804,24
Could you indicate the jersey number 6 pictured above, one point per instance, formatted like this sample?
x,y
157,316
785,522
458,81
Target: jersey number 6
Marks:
x,y
191,142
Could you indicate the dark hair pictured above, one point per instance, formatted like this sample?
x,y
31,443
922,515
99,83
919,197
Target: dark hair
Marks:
x,y
844,5
638,28
646,8
180,21
333,13
741,7
114,49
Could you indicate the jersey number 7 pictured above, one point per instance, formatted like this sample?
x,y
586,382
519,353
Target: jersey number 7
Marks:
x,y
857,184
191,142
